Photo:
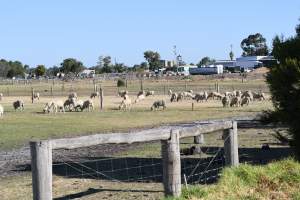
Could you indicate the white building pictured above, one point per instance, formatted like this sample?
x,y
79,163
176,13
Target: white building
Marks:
x,y
185,69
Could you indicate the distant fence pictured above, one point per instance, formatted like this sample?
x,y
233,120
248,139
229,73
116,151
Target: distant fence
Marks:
x,y
41,152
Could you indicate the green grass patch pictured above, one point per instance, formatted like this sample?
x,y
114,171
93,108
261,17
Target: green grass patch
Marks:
x,y
278,180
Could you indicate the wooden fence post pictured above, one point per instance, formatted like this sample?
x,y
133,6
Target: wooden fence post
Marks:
x,y
231,147
51,91
199,139
142,85
8,91
32,95
101,98
170,150
192,106
41,166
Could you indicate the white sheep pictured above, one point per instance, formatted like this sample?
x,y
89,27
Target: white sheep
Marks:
x,y
235,101
18,105
140,98
245,101
36,95
248,94
157,104
122,93
225,101
73,95
57,106
48,108
94,95
1,111
150,93
125,104
88,104
174,97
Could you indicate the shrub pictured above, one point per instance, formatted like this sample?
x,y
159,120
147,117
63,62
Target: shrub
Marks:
x,y
120,83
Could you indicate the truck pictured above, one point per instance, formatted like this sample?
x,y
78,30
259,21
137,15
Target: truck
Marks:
x,y
207,70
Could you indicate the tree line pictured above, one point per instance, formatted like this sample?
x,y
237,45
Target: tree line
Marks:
x,y
253,45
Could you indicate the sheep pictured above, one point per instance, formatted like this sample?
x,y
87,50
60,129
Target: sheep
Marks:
x,y
245,101
150,93
88,104
174,97
157,104
180,96
260,96
73,95
235,101
125,104
1,111
78,104
229,94
18,105
57,106
69,104
215,94
170,92
225,101
94,95
139,98
247,94
188,95
200,97
237,93
122,93
48,108
141,93
1,96
36,95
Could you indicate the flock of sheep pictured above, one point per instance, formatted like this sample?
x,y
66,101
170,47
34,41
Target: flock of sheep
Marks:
x,y
71,104
235,98
228,99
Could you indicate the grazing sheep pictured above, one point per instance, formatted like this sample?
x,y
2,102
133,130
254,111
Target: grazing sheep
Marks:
x,y
188,95
36,95
139,98
69,104
247,94
73,95
237,93
214,95
235,101
157,104
125,104
200,97
122,93
225,101
259,96
78,104
180,96
245,101
173,97
94,95
48,108
141,93
1,96
229,94
88,104
18,105
1,110
57,106
150,93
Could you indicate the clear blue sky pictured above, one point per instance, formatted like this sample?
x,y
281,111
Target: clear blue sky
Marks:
x,y
40,32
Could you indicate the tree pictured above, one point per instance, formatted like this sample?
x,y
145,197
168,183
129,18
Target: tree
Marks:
x,y
206,61
40,70
231,55
284,83
53,71
254,45
71,65
153,59
119,68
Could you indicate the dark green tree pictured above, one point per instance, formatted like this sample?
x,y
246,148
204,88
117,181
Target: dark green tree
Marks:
x,y
71,65
284,83
254,45
206,61
40,70
153,59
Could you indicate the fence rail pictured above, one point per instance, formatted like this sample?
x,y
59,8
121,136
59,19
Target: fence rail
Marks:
x,y
41,152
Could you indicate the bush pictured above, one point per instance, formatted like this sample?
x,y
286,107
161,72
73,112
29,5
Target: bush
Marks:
x,y
120,83
284,83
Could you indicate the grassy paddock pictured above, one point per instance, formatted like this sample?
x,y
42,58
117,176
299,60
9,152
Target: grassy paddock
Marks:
x,y
17,128
278,180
